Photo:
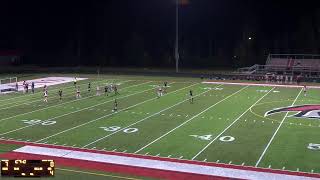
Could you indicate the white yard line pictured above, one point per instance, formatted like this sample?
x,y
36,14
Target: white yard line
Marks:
x,y
191,119
142,119
236,120
40,99
75,111
102,117
76,100
275,133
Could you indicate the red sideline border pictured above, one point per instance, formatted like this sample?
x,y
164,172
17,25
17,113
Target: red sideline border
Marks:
x,y
143,171
115,168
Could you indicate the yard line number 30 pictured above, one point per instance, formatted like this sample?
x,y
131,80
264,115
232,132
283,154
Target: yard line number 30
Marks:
x,y
117,128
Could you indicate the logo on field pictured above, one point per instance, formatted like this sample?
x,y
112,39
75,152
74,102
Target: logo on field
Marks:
x,y
304,111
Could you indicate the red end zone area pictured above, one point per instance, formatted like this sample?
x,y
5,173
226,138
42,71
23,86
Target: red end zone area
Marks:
x,y
149,166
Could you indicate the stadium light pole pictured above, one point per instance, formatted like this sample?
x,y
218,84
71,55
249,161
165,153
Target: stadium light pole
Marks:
x,y
176,52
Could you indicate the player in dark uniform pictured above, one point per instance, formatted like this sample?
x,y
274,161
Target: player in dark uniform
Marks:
x,y
165,87
89,87
27,87
17,87
32,87
115,106
45,88
60,94
75,82
191,96
24,86
106,90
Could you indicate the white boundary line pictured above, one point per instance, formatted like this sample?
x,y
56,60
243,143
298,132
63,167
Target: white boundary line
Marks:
x,y
158,164
78,110
61,104
191,118
146,155
102,117
275,133
236,120
39,100
144,118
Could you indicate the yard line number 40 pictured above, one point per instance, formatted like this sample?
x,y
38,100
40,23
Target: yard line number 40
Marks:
x,y
210,137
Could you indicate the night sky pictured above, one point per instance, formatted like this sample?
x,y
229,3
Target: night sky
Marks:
x,y
142,32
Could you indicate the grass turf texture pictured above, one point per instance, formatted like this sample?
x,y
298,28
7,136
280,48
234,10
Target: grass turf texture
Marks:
x,y
225,124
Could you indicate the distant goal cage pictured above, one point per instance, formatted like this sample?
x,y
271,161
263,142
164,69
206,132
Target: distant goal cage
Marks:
x,y
8,84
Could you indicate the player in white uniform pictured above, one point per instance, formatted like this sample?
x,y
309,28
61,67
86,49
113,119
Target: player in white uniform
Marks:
x,y
45,95
305,90
78,95
115,106
286,79
266,78
24,86
159,92
98,91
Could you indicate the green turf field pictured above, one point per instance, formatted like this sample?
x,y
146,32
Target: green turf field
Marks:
x,y
225,124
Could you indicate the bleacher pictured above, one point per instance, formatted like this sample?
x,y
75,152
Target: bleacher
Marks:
x,y
304,64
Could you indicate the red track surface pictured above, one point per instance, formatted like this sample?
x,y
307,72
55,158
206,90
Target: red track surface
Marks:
x,y
135,170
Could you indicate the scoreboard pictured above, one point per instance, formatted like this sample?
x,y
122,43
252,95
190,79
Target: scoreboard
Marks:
x,y
27,168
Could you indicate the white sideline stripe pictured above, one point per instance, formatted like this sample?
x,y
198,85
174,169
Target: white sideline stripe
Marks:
x,y
145,117
190,119
76,100
74,111
257,84
230,125
156,164
102,117
275,133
